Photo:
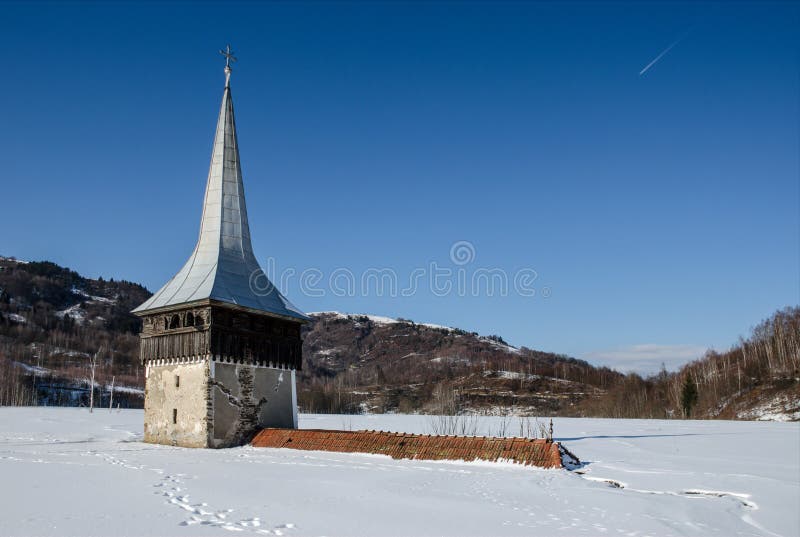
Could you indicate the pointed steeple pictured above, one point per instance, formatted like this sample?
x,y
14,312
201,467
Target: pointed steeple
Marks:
x,y
224,222
222,266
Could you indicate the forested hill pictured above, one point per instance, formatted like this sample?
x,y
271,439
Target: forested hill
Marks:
x,y
378,364
52,320
368,363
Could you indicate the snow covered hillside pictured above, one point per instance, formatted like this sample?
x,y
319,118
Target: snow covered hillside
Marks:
x,y
67,472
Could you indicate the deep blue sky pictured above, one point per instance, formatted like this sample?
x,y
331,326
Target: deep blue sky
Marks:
x,y
659,210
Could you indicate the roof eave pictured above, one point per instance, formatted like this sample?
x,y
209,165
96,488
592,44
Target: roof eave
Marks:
x,y
299,318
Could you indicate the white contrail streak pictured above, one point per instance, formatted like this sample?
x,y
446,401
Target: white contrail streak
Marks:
x,y
652,63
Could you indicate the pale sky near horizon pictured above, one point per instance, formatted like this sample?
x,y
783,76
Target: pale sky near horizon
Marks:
x,y
656,202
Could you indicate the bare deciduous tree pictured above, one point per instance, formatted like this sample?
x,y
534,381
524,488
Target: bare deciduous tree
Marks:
x,y
92,368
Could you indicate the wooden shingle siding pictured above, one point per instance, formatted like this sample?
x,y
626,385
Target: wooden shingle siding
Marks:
x,y
525,451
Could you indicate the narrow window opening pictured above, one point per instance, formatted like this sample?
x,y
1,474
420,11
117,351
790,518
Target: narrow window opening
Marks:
x,y
174,415
177,381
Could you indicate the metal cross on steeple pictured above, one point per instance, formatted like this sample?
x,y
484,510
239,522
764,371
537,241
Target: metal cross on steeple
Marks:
x,y
229,57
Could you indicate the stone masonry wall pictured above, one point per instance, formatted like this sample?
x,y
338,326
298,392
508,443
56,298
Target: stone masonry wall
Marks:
x,y
214,404
175,404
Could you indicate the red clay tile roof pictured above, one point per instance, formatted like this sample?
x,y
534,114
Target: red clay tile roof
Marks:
x,y
526,451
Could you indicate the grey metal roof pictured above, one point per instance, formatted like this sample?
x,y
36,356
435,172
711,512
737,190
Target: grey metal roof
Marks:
x,y
222,264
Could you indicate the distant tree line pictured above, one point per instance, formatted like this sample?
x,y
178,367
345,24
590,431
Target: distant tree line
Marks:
x,y
764,364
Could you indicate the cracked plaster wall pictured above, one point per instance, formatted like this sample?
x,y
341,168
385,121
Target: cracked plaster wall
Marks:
x,y
245,399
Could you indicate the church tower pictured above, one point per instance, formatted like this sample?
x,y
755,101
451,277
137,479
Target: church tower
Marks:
x,y
220,343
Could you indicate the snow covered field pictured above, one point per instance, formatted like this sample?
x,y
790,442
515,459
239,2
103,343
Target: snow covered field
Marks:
x,y
64,471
